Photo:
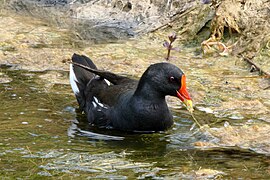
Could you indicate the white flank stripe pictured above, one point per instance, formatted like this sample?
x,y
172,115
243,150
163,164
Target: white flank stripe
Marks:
x,y
97,101
94,104
107,82
73,80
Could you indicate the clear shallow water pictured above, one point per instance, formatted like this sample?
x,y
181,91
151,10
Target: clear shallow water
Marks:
x,y
43,136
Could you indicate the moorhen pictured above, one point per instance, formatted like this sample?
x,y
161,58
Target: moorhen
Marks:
x,y
118,102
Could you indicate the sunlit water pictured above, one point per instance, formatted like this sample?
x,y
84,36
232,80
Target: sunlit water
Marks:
x,y
43,136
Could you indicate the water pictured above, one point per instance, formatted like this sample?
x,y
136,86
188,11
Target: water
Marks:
x,y
43,136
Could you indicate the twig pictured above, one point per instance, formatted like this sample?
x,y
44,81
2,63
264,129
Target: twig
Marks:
x,y
167,24
245,77
83,66
257,67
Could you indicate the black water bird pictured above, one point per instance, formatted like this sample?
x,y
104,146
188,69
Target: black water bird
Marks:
x,y
118,102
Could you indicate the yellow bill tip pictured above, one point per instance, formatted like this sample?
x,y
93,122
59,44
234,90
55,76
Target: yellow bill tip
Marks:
x,y
189,105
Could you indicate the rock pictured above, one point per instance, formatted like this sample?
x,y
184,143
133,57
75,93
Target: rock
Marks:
x,y
108,21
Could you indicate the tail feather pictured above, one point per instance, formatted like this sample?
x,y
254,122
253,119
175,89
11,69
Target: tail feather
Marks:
x,y
73,80
79,77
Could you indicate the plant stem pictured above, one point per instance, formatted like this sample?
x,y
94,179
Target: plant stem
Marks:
x,y
196,121
169,51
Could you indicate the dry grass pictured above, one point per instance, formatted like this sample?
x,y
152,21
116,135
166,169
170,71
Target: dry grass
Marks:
x,y
249,19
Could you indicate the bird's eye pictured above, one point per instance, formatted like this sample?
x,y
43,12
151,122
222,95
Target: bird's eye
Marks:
x,y
172,79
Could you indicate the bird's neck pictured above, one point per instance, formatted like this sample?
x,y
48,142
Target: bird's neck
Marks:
x,y
147,92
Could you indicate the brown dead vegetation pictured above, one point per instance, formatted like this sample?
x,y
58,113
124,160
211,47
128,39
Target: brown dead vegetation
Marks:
x,y
248,24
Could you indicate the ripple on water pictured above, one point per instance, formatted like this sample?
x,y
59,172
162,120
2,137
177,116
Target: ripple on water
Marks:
x,y
95,163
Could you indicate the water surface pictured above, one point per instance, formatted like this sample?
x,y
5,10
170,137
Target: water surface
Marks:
x,y
43,136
